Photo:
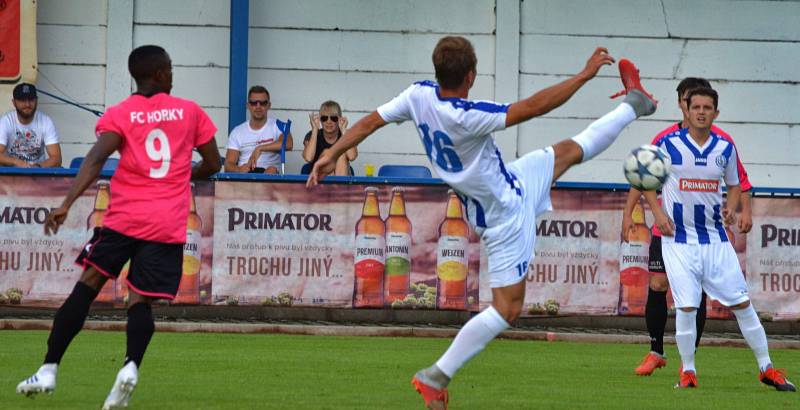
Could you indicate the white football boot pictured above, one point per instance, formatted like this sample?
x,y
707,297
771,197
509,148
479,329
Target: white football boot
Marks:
x,y
43,381
123,387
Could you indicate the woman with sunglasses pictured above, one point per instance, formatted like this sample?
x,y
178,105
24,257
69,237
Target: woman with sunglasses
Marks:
x,y
327,127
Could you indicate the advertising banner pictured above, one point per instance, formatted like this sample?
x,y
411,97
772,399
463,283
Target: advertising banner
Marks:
x,y
343,246
379,246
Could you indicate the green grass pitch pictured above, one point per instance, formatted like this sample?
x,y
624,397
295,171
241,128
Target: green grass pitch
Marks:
x,y
234,371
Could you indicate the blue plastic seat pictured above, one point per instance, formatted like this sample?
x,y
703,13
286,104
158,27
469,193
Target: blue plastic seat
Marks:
x,y
110,165
404,171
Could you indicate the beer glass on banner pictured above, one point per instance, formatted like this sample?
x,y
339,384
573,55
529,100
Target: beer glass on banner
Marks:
x,y
95,220
451,257
634,276
398,249
189,289
369,254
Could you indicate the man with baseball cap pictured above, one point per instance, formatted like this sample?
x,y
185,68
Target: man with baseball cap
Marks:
x,y
28,137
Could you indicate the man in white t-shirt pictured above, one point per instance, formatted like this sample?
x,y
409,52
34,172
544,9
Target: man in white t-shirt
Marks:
x,y
254,146
502,200
28,137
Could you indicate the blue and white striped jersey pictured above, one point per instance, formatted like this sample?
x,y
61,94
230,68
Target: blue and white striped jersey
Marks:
x,y
692,196
457,137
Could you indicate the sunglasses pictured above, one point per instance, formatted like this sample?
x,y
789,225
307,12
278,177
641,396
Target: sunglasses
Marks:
x,y
324,118
262,103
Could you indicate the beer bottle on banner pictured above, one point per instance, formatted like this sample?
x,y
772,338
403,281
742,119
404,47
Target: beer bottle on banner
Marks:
x,y
398,249
95,220
189,289
634,277
451,257
369,254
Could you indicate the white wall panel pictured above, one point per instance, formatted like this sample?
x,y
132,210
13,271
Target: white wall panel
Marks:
x,y
72,124
74,12
206,86
71,44
741,20
628,18
192,46
82,84
742,60
183,12
439,16
739,102
567,55
355,51
355,91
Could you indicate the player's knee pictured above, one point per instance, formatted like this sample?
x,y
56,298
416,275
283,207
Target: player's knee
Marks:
x,y
742,305
688,309
659,283
92,278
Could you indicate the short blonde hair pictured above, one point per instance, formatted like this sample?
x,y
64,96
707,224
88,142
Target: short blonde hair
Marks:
x,y
333,105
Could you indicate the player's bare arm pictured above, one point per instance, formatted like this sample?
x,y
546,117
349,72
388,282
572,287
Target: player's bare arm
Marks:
x,y
107,143
745,222
627,220
662,221
326,163
729,212
209,165
552,97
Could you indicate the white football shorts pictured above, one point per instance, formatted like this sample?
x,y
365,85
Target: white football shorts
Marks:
x,y
510,245
713,267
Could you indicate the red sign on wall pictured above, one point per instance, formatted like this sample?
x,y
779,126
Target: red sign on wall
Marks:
x,y
9,39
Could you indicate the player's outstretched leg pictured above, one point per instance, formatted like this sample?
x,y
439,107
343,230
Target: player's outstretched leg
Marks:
x,y
756,338
68,321
600,134
432,381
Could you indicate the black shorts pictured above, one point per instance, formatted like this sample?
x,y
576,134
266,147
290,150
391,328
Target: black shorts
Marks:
x,y
155,268
656,263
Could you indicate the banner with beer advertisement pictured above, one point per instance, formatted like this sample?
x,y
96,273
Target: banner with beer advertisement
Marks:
x,y
343,246
379,246
576,268
773,257
40,270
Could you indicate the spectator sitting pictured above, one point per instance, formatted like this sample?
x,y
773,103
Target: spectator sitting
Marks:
x,y
28,137
254,146
326,128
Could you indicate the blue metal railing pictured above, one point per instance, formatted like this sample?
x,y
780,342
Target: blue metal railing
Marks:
x,y
294,178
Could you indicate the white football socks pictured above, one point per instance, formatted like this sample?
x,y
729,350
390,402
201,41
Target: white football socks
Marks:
x,y
685,337
600,134
753,332
471,339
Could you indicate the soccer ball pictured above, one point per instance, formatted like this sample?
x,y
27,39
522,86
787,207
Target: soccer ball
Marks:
x,y
647,167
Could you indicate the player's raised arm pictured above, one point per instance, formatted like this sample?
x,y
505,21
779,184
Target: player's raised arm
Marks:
x,y
107,143
326,163
552,97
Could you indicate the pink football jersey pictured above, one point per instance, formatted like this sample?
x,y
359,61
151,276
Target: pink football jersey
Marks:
x,y
150,190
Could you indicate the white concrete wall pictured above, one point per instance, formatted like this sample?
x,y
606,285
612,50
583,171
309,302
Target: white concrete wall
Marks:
x,y
362,53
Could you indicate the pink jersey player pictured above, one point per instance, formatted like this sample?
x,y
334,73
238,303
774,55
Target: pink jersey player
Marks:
x,y
150,188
